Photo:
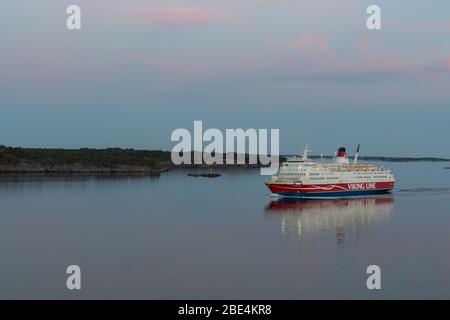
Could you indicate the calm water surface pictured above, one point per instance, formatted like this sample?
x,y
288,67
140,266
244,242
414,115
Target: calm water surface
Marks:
x,y
182,237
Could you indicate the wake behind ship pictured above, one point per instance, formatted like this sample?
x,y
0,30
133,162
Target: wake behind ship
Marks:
x,y
306,179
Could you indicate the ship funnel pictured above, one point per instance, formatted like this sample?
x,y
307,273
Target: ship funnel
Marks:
x,y
341,156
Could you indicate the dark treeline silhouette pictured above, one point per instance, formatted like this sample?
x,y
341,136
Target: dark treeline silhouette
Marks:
x,y
17,159
88,160
107,158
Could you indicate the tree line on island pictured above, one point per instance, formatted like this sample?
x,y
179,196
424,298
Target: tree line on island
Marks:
x,y
89,160
115,160
16,159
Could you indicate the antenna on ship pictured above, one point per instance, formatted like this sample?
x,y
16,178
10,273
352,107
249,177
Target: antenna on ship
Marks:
x,y
305,153
356,155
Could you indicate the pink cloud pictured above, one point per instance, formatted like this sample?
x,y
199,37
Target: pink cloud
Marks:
x,y
171,15
311,43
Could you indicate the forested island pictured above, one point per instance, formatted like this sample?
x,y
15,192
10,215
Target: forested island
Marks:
x,y
117,160
84,160
92,161
390,159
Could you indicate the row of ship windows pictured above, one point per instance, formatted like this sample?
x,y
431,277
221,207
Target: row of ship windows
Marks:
x,y
322,174
316,174
297,174
330,178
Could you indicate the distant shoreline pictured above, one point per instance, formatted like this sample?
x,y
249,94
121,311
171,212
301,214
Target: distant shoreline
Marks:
x,y
392,159
125,161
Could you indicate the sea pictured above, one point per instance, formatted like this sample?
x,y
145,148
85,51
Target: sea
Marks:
x,y
174,236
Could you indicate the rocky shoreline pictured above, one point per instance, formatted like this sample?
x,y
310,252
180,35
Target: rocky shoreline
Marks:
x,y
17,160
77,168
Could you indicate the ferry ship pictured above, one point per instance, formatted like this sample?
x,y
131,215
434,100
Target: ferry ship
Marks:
x,y
299,177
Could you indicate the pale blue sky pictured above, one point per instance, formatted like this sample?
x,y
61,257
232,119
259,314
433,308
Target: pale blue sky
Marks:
x,y
139,69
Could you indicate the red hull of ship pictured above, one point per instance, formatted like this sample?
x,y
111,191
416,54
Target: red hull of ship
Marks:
x,y
338,189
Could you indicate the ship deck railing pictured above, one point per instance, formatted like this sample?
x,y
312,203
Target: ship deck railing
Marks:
x,y
350,167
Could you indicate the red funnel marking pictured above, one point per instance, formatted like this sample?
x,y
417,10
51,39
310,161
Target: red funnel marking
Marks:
x,y
341,153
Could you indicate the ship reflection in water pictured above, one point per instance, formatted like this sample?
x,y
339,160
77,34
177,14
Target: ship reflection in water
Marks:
x,y
345,217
